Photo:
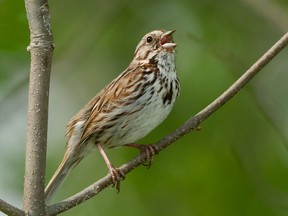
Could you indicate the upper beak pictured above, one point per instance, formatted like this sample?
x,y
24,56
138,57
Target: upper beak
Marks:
x,y
166,40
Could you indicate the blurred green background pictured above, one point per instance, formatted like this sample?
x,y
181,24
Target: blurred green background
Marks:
x,y
236,165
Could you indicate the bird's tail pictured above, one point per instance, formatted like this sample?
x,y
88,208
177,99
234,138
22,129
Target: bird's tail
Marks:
x,y
59,176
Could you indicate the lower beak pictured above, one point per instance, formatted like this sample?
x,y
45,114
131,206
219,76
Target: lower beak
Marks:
x,y
166,38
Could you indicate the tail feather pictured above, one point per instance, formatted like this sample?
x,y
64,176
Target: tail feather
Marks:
x,y
58,178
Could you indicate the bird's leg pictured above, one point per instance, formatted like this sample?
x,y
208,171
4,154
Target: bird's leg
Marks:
x,y
148,150
116,175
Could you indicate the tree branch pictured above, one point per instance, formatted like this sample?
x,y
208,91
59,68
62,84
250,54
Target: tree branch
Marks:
x,y
41,49
9,209
192,124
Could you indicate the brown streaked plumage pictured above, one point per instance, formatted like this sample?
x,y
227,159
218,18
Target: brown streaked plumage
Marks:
x,y
126,110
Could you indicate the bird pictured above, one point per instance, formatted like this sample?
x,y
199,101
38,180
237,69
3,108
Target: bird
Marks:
x,y
124,111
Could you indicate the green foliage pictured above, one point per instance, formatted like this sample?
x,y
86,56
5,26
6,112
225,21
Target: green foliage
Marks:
x,y
237,163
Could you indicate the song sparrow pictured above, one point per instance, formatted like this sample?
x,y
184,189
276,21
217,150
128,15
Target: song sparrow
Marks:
x,y
126,110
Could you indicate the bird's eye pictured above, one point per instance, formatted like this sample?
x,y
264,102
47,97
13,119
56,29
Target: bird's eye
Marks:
x,y
149,39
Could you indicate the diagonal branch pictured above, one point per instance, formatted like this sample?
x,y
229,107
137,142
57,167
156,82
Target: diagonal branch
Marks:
x,y
190,125
9,209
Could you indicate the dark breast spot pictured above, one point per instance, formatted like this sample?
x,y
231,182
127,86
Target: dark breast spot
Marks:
x,y
168,95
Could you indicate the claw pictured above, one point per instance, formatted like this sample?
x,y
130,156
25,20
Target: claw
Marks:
x,y
148,150
116,176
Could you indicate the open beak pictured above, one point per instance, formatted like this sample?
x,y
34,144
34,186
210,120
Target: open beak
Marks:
x,y
166,40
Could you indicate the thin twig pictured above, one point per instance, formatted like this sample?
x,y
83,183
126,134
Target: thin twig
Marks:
x,y
10,209
190,125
